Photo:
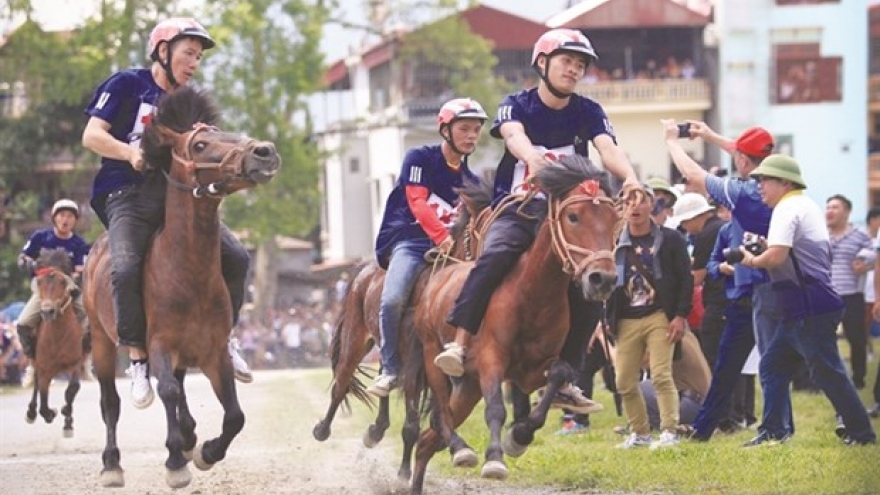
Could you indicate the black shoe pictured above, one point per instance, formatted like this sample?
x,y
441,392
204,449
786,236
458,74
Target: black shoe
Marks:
x,y
28,339
848,440
840,428
874,412
765,438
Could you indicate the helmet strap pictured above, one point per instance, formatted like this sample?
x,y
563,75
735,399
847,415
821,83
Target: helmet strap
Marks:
x,y
166,65
544,77
448,138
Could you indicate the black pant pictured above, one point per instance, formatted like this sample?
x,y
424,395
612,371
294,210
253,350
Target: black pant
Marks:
x,y
856,334
711,328
134,214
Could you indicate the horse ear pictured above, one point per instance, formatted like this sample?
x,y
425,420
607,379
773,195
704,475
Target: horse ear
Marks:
x,y
165,134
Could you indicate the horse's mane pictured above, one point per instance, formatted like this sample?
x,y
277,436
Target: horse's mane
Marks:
x,y
476,193
178,110
55,258
568,172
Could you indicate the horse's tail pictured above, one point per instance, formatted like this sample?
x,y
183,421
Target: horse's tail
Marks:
x,y
414,380
350,307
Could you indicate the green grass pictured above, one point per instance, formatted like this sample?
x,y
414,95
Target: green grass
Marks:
x,y
813,462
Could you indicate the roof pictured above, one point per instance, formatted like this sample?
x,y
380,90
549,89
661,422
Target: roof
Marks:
x,y
506,31
607,14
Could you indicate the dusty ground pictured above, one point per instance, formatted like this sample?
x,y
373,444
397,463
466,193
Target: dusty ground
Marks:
x,y
274,454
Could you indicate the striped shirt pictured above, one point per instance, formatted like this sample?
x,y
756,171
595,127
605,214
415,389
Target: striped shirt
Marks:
x,y
844,250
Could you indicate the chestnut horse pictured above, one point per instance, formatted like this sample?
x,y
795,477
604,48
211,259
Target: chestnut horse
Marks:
x,y
59,346
526,322
186,302
357,331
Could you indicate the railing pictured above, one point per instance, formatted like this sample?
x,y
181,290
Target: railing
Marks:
x,y
648,92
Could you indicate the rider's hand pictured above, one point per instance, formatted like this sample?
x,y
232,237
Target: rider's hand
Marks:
x,y
26,264
136,158
632,192
446,245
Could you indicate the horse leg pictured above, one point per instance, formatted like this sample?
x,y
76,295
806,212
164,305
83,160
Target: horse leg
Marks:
x,y
31,415
520,402
185,418
223,383
376,431
409,433
67,410
522,433
48,414
430,442
496,415
343,376
177,475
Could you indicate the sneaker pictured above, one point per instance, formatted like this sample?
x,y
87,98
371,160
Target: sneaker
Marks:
x,y
874,412
383,385
666,439
634,440
451,360
240,368
27,381
840,428
765,438
141,389
572,427
572,398
621,430
850,441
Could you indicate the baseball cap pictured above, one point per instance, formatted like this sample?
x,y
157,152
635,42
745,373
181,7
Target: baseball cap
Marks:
x,y
756,142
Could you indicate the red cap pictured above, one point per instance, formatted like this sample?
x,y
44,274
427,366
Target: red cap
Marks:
x,y
755,142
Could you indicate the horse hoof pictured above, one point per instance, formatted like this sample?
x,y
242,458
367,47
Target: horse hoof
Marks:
x,y
494,470
465,458
30,419
200,461
112,479
320,432
178,478
369,441
510,447
67,433
50,416
187,454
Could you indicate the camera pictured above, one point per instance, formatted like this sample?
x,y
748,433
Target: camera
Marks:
x,y
751,242
684,130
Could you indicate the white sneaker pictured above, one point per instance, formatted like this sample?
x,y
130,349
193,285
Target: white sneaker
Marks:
x,y
27,381
141,389
666,439
451,360
383,385
572,398
634,440
239,366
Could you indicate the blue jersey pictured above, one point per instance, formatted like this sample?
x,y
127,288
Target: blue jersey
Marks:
x,y
424,167
554,133
77,248
126,100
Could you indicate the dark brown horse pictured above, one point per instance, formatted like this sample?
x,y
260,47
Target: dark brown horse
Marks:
x,y
527,319
357,331
59,337
186,302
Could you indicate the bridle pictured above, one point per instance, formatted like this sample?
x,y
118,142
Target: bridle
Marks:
x,y
213,189
41,272
575,259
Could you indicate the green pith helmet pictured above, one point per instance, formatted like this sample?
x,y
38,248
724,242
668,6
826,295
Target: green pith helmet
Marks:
x,y
780,167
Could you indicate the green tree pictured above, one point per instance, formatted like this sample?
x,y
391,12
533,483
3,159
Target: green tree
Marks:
x,y
266,62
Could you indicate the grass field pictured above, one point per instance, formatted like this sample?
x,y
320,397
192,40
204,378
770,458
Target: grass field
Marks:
x,y
813,462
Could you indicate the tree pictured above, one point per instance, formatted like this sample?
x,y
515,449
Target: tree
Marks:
x,y
267,60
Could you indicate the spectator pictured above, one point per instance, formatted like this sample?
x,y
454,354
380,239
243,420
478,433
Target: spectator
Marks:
x,y
666,196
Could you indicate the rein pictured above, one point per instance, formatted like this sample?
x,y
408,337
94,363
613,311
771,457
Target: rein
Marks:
x,y
564,249
214,189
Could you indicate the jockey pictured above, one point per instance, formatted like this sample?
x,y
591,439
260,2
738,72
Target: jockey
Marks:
x,y
418,214
65,214
538,125
130,201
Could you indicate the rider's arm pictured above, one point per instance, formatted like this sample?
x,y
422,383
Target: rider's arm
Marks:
x,y
613,158
97,138
417,199
520,146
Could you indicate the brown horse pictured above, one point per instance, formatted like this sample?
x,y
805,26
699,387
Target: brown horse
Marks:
x,y
186,302
357,331
59,338
527,319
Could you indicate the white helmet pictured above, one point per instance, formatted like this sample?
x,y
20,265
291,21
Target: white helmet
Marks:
x,y
65,204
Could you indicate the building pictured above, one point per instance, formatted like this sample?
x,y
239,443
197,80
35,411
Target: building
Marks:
x,y
874,106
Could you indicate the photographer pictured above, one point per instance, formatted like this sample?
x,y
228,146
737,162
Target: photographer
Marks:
x,y
798,260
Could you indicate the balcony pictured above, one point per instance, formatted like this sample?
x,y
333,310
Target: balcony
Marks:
x,y
874,172
650,95
874,92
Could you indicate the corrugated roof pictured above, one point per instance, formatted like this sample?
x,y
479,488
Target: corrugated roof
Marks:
x,y
607,14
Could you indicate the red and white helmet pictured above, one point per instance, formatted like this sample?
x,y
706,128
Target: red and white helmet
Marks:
x,y
171,30
569,40
65,204
460,108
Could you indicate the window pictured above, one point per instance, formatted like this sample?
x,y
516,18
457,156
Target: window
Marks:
x,y
802,75
354,165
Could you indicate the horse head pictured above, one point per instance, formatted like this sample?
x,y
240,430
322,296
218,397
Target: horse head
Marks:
x,y
583,223
56,288
183,140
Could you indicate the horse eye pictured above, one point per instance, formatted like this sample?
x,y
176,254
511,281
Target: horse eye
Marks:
x,y
200,146
572,218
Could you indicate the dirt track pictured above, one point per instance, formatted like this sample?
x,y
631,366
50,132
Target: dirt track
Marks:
x,y
274,454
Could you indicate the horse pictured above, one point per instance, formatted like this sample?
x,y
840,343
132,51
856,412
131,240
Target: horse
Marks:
x,y
187,305
59,346
526,322
357,331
